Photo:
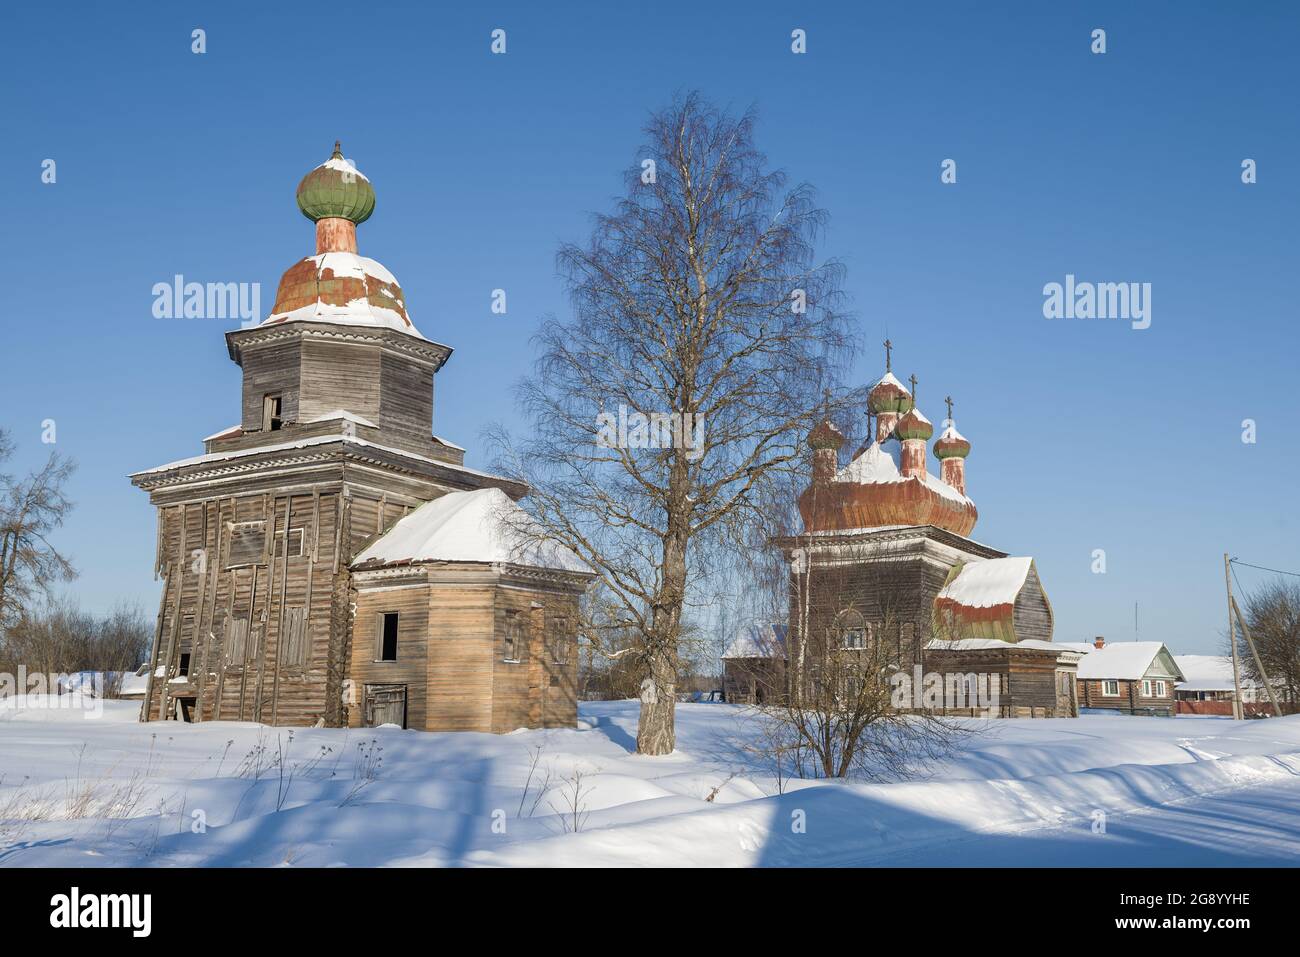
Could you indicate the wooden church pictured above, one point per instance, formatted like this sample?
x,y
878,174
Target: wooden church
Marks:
x,y
885,561
329,560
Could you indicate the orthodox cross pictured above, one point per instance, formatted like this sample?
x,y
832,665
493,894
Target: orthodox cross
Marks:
x,y
912,379
888,348
948,401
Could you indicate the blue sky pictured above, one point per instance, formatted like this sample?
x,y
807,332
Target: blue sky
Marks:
x,y
1116,167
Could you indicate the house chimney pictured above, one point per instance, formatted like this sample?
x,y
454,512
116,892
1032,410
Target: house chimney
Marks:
x,y
1099,642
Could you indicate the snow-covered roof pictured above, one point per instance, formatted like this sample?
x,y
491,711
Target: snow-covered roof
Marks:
x,y
987,644
378,284
345,415
451,445
485,525
878,466
1127,660
224,433
759,640
1081,646
214,457
1207,673
984,584
951,433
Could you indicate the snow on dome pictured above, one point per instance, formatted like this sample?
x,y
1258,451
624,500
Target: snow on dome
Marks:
x,y
480,526
985,584
825,435
952,444
881,466
888,395
759,640
336,190
342,288
343,166
875,464
914,425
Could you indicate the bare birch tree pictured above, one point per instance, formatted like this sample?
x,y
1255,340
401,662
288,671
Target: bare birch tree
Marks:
x,y
704,330
1272,613
30,509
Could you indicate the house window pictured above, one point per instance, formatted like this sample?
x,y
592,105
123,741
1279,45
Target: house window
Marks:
x,y
1160,689
247,544
386,637
295,543
1110,688
1146,688
560,641
184,669
514,638
272,418
850,629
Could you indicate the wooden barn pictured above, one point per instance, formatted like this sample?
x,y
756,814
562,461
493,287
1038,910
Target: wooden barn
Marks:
x,y
885,558
262,616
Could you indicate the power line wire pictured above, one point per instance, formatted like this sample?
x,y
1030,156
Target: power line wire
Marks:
x,y
1263,568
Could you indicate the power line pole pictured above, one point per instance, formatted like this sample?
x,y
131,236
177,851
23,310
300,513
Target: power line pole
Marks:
x,y
1259,664
1232,641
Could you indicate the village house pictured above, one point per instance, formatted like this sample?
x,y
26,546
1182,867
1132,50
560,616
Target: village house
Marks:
x,y
1131,677
328,559
886,557
1207,687
754,665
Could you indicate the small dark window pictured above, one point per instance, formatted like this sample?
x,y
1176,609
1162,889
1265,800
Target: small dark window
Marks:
x,y
387,637
560,641
272,418
185,664
514,637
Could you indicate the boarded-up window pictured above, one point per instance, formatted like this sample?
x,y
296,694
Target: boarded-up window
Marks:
x,y
236,641
560,641
386,636
247,544
295,543
514,637
294,652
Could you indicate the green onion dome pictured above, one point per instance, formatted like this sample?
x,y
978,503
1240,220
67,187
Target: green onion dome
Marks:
x,y
888,395
824,435
336,189
952,444
913,425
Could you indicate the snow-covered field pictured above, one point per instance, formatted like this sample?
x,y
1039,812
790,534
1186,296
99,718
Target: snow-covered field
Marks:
x,y
112,792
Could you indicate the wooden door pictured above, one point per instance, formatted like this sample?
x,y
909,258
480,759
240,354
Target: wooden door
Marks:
x,y
385,704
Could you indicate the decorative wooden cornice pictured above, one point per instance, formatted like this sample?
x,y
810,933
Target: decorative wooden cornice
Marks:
x,y
433,352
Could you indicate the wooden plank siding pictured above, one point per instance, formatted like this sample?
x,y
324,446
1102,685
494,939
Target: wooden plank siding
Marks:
x,y
1130,699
